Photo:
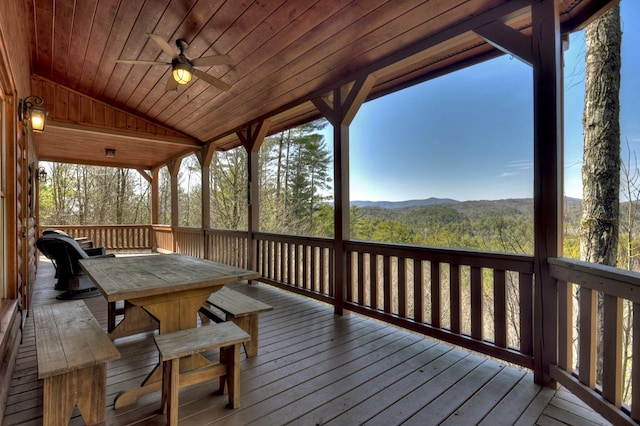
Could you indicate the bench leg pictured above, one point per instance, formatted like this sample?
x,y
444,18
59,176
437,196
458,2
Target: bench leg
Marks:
x,y
231,357
85,388
171,389
249,323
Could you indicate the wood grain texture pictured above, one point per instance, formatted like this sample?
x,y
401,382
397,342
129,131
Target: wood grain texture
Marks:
x,y
72,351
316,368
284,54
69,338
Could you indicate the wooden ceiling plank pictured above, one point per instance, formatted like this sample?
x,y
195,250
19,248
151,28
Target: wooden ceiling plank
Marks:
x,y
127,16
306,33
137,40
63,24
248,34
44,22
171,17
266,101
84,15
99,34
185,29
300,68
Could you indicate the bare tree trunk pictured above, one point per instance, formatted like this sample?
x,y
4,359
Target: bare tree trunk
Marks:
x,y
601,163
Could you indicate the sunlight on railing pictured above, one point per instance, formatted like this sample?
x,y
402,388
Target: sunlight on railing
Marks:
x,y
599,331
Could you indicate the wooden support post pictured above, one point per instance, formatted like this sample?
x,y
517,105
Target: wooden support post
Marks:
x,y
252,138
548,181
340,111
205,156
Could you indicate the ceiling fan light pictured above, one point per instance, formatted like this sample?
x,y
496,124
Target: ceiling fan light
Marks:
x,y
182,73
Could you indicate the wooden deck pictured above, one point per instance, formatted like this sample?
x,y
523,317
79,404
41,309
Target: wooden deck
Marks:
x,y
314,368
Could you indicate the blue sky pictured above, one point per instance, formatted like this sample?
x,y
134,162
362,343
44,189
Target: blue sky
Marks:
x,y
468,135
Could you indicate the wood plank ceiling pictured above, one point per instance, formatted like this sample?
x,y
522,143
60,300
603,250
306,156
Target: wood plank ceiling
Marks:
x,y
283,54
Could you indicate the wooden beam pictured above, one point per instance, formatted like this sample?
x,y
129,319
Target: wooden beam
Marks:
x,y
547,182
126,134
174,169
508,40
340,109
252,136
155,199
205,156
145,174
251,139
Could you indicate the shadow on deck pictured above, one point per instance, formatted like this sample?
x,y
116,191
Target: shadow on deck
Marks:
x,y
314,368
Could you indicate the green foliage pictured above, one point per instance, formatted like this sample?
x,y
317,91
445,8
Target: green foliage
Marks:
x,y
84,195
294,172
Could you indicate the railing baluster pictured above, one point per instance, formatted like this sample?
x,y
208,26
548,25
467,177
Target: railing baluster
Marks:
x,y
361,298
499,308
612,350
635,364
477,329
454,288
373,280
418,291
587,348
525,285
436,298
565,326
386,283
402,287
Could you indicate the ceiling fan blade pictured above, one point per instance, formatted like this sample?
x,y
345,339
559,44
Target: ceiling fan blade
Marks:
x,y
172,84
162,43
208,61
211,80
133,62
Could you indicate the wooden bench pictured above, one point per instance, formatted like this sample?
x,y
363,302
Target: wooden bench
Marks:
x,y
239,308
72,352
179,344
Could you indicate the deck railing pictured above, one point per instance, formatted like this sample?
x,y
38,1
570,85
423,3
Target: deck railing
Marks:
x,y
593,328
478,300
482,301
301,264
111,237
227,246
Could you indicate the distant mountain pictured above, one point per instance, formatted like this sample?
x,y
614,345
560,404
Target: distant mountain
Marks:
x,y
404,204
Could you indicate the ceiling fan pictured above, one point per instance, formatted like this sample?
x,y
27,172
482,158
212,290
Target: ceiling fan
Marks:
x,y
182,67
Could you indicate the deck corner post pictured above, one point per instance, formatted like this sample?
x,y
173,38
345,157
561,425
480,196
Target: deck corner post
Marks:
x,y
548,182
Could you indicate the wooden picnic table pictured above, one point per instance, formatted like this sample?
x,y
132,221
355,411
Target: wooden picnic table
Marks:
x,y
170,288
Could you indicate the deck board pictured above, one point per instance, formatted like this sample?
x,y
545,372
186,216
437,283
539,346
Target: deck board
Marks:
x,y
317,368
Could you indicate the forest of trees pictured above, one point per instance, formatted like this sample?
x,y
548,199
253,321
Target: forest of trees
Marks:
x,y
295,198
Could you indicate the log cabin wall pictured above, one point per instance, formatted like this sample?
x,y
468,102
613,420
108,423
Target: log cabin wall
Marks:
x,y
18,223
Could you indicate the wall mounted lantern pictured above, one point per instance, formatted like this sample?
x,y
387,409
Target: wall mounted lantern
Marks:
x,y
42,174
30,112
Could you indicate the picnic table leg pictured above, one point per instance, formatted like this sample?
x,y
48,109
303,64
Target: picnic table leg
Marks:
x,y
136,320
173,315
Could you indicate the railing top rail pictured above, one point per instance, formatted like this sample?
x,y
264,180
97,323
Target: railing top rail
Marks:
x,y
94,226
285,238
232,232
606,279
503,261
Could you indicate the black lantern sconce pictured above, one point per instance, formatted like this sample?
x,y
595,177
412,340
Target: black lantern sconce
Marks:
x,y
42,174
30,112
